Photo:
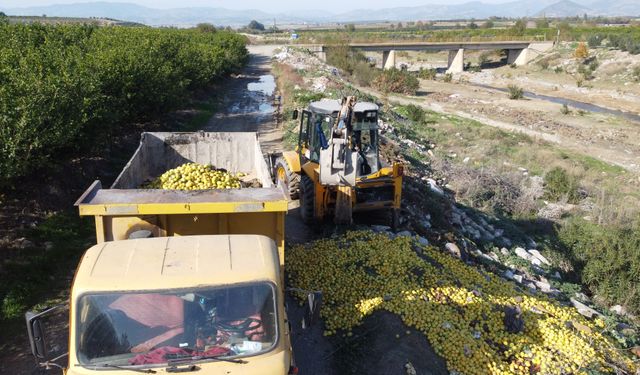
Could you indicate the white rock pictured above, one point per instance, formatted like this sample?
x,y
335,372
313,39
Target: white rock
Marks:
x,y
433,185
404,233
518,278
584,309
535,261
508,274
504,251
544,286
536,254
466,160
423,241
618,309
522,253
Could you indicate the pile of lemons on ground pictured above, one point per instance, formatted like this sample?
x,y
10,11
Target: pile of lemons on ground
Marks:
x,y
460,308
194,176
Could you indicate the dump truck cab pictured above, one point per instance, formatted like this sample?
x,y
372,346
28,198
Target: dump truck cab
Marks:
x,y
211,301
178,280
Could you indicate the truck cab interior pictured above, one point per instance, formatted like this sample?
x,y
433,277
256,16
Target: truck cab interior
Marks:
x,y
141,328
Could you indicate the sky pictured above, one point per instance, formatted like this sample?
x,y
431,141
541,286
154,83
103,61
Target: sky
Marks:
x,y
333,6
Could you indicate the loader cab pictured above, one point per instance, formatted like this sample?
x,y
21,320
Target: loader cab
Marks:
x,y
316,123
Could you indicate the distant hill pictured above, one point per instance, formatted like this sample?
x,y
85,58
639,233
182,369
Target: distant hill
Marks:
x,y
565,8
222,16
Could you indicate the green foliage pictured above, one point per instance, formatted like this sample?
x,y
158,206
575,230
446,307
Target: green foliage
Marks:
x,y
448,77
65,88
415,113
606,259
542,23
353,63
255,25
206,28
488,24
558,184
519,27
483,59
350,27
427,73
397,81
515,92
34,272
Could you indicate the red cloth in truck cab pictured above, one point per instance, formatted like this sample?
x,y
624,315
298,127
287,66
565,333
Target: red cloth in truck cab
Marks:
x,y
159,355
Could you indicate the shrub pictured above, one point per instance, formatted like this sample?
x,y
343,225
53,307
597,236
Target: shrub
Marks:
x,y
364,74
483,59
66,88
448,77
581,52
594,40
606,259
415,113
558,184
636,73
565,109
397,81
427,73
544,63
515,92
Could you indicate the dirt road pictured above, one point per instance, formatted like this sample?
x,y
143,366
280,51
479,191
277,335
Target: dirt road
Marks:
x,y
249,103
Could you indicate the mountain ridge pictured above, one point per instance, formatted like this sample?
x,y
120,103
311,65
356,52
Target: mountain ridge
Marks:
x,y
188,16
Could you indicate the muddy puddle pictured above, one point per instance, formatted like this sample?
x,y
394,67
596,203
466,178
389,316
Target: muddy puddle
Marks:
x,y
256,98
570,103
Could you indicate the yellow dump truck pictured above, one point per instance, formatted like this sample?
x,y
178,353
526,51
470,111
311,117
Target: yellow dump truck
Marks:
x,y
180,280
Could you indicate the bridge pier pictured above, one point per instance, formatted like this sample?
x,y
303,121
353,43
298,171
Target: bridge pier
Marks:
x,y
519,57
456,61
388,59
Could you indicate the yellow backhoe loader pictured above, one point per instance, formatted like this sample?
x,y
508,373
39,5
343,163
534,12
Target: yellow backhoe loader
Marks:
x,y
336,169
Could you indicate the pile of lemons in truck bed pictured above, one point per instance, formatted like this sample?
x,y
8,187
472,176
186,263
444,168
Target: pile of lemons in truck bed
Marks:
x,y
478,322
194,176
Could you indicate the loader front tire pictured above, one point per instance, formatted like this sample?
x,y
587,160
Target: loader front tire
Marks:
x,y
284,176
307,199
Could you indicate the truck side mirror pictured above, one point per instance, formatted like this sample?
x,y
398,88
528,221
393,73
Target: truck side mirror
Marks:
x,y
37,326
294,115
312,309
36,335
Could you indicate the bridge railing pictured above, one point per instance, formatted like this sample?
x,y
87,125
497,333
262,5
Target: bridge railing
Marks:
x,y
408,38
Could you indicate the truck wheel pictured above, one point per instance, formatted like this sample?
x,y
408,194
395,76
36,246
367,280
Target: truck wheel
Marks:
x,y
395,219
284,175
307,199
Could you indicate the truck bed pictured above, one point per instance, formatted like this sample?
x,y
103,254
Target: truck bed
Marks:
x,y
160,151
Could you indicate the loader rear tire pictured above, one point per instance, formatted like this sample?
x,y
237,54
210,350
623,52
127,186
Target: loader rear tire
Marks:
x,y
289,179
307,199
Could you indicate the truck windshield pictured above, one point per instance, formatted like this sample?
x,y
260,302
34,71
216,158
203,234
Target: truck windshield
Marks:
x,y
145,328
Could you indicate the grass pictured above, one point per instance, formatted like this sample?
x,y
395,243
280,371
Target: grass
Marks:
x,y
203,112
37,277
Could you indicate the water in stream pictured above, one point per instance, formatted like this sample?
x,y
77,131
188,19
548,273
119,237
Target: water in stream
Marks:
x,y
571,103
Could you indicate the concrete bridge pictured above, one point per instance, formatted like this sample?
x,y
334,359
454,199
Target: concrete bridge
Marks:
x,y
519,52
